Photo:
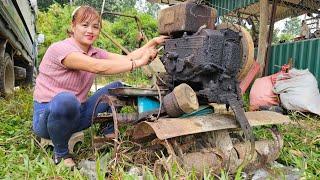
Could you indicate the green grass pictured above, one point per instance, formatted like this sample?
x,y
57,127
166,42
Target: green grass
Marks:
x,y
135,78
21,158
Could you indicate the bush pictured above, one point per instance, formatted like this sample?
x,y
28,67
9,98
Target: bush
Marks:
x,y
55,22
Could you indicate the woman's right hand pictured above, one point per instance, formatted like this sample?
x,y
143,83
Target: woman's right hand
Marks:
x,y
149,55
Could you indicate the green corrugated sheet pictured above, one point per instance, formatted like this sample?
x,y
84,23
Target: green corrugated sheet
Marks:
x,y
305,55
225,6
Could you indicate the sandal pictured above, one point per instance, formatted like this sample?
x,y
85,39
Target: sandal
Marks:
x,y
67,160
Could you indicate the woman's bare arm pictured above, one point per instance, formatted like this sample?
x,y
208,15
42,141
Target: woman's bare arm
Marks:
x,y
83,62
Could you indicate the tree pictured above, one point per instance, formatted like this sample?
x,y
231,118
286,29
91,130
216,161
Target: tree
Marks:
x,y
286,37
45,4
275,36
292,27
110,5
147,7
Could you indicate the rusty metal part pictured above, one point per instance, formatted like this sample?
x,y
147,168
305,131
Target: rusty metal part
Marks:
x,y
186,98
208,63
244,124
246,46
166,128
130,91
135,17
185,17
230,156
99,142
223,142
200,161
266,151
140,31
171,106
110,100
115,42
271,149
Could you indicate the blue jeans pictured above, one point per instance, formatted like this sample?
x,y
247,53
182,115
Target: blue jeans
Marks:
x,y
64,115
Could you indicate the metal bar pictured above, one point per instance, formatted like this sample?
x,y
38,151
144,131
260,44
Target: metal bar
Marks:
x,y
115,42
300,7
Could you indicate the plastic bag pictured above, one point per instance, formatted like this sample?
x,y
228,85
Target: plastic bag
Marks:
x,y
299,91
261,93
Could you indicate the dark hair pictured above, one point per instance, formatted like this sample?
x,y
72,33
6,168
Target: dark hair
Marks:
x,y
83,13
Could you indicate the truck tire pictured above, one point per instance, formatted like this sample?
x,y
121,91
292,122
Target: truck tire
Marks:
x,y
6,75
31,73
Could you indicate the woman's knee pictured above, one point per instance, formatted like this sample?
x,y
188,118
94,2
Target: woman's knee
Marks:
x,y
116,84
65,103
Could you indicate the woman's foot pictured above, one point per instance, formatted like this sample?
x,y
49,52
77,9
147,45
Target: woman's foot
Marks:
x,y
67,160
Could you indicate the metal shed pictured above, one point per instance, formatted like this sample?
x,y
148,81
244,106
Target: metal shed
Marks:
x,y
285,8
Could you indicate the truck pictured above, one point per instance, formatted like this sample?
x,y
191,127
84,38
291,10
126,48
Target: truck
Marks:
x,y
18,44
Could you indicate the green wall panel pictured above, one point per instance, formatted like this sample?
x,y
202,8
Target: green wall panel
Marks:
x,y
305,55
225,6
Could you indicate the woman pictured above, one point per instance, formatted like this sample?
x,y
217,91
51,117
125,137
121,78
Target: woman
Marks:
x,y
66,74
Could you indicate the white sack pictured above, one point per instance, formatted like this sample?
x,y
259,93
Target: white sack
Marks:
x,y
299,91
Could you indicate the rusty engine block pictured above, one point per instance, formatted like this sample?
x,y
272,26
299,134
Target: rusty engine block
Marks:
x,y
208,60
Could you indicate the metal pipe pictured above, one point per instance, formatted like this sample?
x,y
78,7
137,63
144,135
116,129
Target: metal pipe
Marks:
x,y
115,42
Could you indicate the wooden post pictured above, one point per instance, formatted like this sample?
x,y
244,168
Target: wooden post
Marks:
x,y
271,27
263,34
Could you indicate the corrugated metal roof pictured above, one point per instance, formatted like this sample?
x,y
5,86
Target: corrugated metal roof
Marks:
x,y
246,8
226,6
305,55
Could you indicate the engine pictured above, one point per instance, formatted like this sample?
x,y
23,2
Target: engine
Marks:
x,y
208,61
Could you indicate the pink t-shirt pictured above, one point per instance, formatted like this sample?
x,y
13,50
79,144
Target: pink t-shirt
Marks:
x,y
54,77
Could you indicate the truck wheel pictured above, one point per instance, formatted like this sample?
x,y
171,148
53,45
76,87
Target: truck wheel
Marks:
x,y
31,73
6,75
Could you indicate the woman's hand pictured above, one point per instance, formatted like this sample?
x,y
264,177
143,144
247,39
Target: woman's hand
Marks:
x,y
149,55
158,40
153,43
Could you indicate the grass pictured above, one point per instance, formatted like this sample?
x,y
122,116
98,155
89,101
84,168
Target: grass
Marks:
x,y
21,158
135,78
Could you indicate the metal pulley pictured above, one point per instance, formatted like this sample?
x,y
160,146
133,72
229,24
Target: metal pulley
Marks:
x,y
246,45
181,100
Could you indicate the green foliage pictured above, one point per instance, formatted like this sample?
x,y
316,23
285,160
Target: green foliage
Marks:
x,y
302,144
19,155
21,158
110,5
55,22
292,26
125,30
286,37
275,36
45,4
